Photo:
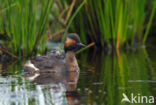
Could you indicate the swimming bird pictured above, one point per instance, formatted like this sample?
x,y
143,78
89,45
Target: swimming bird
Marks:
x,y
55,63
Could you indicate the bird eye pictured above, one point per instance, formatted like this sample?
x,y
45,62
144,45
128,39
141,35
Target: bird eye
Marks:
x,y
74,41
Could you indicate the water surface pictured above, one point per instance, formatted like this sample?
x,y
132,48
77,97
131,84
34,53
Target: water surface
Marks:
x,y
103,79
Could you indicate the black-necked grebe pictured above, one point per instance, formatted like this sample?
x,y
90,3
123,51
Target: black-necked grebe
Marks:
x,y
57,64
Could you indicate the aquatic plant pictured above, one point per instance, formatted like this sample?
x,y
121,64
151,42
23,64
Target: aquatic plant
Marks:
x,y
24,22
114,23
70,21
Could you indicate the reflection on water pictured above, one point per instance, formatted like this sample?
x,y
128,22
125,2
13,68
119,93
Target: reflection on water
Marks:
x,y
57,88
102,81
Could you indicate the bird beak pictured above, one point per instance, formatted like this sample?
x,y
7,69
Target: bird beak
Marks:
x,y
81,45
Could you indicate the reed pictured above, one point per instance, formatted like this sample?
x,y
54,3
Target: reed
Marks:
x,y
70,22
149,23
25,24
114,22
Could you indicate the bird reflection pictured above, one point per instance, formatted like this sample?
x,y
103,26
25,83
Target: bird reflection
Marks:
x,y
62,85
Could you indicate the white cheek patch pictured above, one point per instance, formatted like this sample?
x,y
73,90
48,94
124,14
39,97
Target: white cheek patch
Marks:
x,y
29,64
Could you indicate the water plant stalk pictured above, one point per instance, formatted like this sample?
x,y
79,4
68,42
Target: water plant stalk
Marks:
x,y
70,22
114,23
25,23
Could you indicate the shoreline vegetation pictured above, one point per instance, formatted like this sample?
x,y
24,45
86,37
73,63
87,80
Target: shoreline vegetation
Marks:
x,y
26,26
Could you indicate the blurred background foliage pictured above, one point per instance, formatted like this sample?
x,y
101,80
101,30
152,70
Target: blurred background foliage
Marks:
x,y
26,26
23,25
115,22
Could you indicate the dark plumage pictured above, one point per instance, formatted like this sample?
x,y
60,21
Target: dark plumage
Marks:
x,y
57,69
49,63
74,36
55,62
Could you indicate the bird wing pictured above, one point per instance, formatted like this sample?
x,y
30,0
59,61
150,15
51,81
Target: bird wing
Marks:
x,y
48,62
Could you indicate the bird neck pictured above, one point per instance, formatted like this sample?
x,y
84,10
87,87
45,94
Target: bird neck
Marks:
x,y
71,60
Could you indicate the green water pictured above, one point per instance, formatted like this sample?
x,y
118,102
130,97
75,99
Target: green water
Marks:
x,y
103,79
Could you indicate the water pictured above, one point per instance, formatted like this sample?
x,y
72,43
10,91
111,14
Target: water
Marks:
x,y
103,79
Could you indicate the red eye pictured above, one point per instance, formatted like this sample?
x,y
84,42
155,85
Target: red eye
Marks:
x,y
74,41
